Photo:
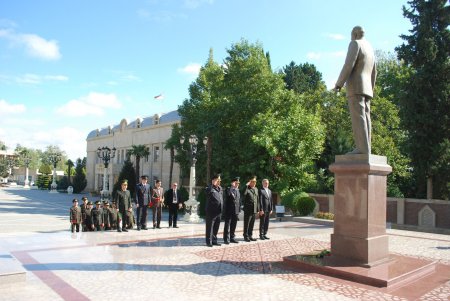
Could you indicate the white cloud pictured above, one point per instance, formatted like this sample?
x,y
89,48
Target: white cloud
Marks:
x,y
40,48
196,3
313,55
335,36
324,55
35,45
7,108
160,16
35,79
92,104
192,69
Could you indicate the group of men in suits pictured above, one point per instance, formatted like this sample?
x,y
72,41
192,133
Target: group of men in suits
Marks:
x,y
154,198
256,203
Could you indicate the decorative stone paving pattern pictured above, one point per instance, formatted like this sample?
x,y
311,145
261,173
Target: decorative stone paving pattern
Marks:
x,y
438,294
259,257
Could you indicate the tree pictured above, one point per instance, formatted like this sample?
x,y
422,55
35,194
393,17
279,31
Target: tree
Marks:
x,y
425,106
237,105
171,144
70,164
79,180
127,173
303,78
139,151
4,168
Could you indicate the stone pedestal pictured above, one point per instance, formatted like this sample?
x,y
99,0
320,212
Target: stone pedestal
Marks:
x,y
360,209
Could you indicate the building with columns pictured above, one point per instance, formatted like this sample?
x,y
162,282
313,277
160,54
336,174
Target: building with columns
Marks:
x,y
152,132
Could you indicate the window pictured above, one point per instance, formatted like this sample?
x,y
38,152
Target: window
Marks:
x,y
156,154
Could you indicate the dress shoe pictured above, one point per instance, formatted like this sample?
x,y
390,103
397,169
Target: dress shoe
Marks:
x,y
216,244
247,239
144,228
234,241
176,227
118,230
124,230
265,237
253,239
261,237
209,245
226,242
138,228
158,227
154,227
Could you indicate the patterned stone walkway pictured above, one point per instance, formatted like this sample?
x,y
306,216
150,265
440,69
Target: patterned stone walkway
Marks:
x,y
174,264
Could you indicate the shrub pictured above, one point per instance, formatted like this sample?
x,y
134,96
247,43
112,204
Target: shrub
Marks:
x,y
305,205
325,215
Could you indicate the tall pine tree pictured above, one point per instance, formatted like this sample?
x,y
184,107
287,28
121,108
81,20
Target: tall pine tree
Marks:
x,y
425,106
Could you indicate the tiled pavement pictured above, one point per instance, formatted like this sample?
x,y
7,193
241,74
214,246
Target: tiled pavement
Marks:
x,y
174,264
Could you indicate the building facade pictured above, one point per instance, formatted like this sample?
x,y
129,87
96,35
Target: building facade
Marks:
x,y
152,132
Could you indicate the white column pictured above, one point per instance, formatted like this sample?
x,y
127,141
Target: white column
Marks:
x,y
54,186
27,183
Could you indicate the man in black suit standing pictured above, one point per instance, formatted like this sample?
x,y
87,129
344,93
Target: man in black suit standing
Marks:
x,y
214,200
250,202
174,201
231,209
142,200
265,209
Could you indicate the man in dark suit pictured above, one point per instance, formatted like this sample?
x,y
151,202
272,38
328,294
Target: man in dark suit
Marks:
x,y
123,201
213,208
174,201
359,73
142,201
250,202
231,209
265,208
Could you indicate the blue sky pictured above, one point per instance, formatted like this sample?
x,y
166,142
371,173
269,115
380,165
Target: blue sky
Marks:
x,y
68,67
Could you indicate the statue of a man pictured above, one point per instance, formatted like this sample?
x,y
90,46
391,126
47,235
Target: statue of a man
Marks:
x,y
359,73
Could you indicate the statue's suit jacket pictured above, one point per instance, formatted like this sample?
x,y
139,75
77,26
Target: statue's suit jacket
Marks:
x,y
359,71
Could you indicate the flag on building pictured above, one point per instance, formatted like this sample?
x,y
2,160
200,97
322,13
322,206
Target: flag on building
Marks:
x,y
159,97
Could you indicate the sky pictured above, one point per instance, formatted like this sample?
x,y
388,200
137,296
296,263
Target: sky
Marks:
x,y
70,67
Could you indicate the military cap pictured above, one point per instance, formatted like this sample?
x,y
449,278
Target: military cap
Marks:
x,y
114,202
84,198
74,200
144,177
235,179
215,177
252,179
89,203
98,203
124,182
106,203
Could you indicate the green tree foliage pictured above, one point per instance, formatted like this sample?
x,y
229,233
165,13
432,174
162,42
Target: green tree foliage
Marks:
x,y
4,168
139,151
2,145
70,171
49,152
303,78
46,169
79,180
425,105
127,173
240,104
171,144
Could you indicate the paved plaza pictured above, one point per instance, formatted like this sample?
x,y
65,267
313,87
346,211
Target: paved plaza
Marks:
x,y
174,264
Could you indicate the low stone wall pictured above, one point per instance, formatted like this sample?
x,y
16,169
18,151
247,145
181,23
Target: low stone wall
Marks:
x,y
417,214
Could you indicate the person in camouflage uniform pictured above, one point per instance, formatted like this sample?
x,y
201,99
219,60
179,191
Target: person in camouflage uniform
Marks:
x,y
83,207
97,216
88,221
75,216
106,215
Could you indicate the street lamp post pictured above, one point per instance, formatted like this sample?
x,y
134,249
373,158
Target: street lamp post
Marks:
x,y
192,202
26,160
54,158
106,154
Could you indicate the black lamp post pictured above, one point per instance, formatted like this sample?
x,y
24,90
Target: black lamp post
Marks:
x,y
106,154
192,202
